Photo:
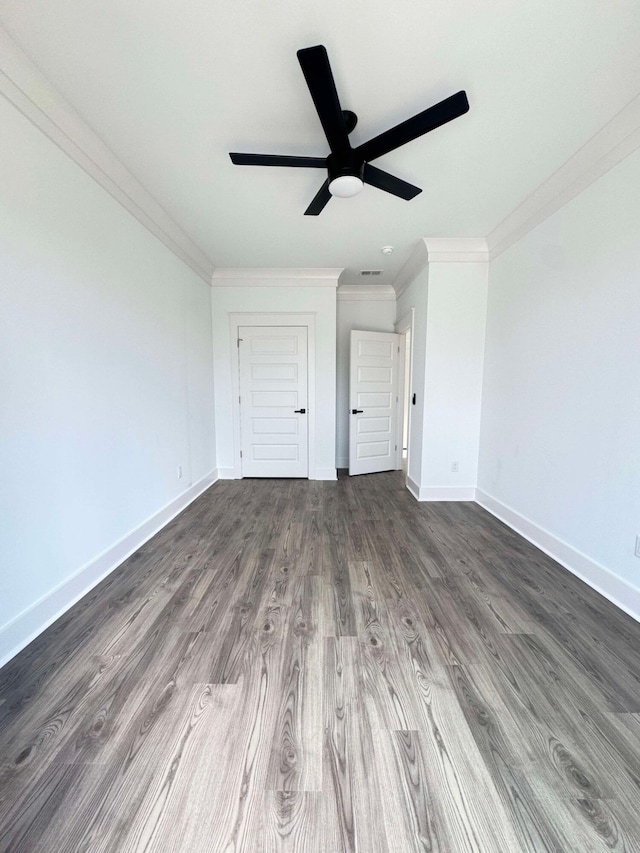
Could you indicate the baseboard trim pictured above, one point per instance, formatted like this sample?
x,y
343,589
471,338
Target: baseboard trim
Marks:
x,y
448,493
229,474
25,627
320,474
413,488
614,588
326,474
441,493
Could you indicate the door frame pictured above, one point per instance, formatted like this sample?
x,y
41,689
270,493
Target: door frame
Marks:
x,y
403,325
288,318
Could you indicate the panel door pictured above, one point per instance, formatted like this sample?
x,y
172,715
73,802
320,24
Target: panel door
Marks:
x,y
373,401
273,401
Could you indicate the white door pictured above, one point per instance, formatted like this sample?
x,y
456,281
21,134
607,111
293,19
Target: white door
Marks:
x,y
373,402
273,401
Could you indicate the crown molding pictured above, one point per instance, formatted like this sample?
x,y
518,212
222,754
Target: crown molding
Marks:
x,y
366,293
416,263
275,277
24,85
457,250
609,146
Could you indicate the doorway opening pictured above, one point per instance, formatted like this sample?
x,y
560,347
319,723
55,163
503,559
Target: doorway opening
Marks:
x,y
374,400
404,328
405,399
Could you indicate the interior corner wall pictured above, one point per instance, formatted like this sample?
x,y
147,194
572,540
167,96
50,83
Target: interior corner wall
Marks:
x,y
560,438
455,341
367,316
320,301
106,383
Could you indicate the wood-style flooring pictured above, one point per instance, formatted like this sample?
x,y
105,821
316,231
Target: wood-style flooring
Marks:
x,y
327,667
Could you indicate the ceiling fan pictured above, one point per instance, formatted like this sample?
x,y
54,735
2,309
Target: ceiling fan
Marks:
x,y
349,169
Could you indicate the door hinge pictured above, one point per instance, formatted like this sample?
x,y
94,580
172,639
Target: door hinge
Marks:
x,y
240,454
396,446
398,349
239,399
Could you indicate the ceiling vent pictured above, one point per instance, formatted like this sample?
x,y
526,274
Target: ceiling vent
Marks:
x,y
370,272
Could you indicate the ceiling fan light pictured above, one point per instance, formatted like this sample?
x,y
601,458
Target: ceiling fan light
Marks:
x,y
345,186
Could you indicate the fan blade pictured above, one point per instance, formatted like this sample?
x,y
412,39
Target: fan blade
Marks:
x,y
320,200
389,183
317,72
412,128
278,160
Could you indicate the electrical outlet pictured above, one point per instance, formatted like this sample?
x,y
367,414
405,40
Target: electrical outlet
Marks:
x,y
637,551
454,467
179,472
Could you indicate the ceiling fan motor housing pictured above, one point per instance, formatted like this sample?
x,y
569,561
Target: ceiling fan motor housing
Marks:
x,y
346,174
348,163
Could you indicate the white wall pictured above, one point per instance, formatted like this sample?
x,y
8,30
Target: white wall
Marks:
x,y
367,316
449,301
320,301
456,314
560,440
105,378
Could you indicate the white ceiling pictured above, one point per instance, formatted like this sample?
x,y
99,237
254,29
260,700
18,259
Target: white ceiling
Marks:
x,y
173,87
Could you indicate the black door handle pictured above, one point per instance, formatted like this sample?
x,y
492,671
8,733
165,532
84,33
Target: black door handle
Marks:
x,y
300,411
356,411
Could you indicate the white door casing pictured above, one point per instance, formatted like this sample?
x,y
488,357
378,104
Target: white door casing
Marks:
x,y
374,395
272,364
